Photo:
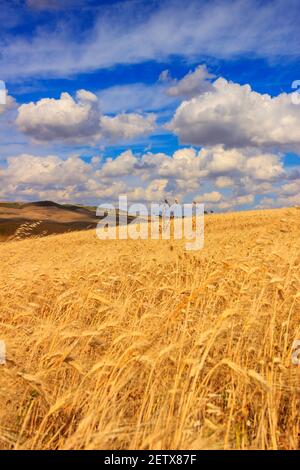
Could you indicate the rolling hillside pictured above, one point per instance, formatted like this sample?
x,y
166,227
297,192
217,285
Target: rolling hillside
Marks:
x,y
19,220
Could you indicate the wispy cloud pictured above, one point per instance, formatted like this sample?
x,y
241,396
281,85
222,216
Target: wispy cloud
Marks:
x,y
138,97
139,32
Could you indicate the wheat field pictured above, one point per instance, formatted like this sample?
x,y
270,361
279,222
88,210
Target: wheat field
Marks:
x,y
143,345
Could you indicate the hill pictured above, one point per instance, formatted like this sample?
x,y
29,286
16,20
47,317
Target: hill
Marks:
x,y
21,220
143,345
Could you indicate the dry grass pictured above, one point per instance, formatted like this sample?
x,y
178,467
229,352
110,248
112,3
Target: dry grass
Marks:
x,y
18,221
139,344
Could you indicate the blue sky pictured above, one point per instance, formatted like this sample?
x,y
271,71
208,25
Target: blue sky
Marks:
x,y
154,99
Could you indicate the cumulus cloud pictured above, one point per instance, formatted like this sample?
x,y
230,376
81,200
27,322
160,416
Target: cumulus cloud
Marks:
x,y
123,165
187,169
265,167
65,118
219,161
9,104
31,177
155,191
280,199
224,182
78,119
127,126
290,189
188,174
213,196
287,194
194,83
236,116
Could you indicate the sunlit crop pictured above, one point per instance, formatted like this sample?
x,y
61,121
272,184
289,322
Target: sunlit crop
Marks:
x,y
143,345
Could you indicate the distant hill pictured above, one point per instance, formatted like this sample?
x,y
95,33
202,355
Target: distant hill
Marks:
x,y
22,220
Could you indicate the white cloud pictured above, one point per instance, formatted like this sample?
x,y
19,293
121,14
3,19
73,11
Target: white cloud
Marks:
x,y
165,76
155,191
290,189
194,83
218,161
213,196
284,200
186,175
127,126
62,119
50,177
236,116
246,199
293,200
265,167
224,182
78,120
9,104
141,33
137,97
35,171
122,165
